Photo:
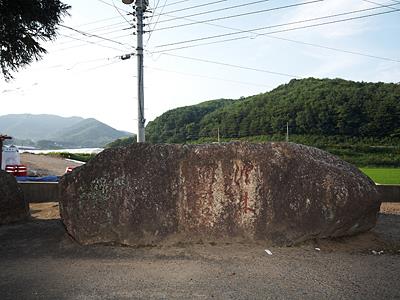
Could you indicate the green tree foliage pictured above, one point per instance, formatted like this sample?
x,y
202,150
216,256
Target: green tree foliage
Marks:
x,y
321,107
46,144
23,24
122,142
181,124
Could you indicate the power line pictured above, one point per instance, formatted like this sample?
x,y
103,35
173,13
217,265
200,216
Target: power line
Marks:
x,y
243,14
246,37
281,25
95,43
207,77
119,11
379,4
120,57
93,35
155,25
303,43
215,10
100,29
102,66
91,30
156,7
95,29
89,61
233,66
86,41
98,21
335,49
109,4
193,7
151,19
177,2
154,10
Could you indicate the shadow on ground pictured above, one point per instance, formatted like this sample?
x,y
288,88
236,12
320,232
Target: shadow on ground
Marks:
x,y
40,261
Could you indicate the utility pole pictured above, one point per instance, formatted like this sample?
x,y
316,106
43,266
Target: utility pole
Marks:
x,y
287,132
140,8
218,136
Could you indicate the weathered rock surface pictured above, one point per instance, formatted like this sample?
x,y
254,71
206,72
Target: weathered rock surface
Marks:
x,y
13,207
280,192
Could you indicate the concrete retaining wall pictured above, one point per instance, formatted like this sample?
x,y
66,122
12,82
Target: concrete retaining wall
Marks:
x,y
37,192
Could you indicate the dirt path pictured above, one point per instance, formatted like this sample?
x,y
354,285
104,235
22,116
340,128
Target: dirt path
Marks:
x,y
44,165
390,208
40,261
45,211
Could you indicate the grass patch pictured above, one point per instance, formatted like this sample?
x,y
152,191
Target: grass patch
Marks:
x,y
383,175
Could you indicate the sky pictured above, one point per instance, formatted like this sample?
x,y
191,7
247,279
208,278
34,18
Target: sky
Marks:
x,y
82,75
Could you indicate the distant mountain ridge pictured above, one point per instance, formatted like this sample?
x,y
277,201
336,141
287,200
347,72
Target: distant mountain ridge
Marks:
x,y
59,132
35,127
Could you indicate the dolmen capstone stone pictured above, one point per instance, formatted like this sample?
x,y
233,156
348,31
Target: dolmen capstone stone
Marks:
x,y
13,207
283,193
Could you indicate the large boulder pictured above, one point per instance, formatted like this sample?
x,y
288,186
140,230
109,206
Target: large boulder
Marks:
x,y
13,207
281,192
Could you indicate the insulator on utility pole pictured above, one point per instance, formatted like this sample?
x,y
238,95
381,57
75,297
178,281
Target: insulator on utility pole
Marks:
x,y
125,56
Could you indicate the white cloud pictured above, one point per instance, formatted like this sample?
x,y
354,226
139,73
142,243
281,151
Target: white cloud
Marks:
x,y
333,7
386,72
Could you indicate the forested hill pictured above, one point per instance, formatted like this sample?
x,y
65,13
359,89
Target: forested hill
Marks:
x,y
182,124
328,107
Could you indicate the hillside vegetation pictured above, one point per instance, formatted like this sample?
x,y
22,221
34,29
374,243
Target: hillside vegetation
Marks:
x,y
325,107
357,121
122,142
182,124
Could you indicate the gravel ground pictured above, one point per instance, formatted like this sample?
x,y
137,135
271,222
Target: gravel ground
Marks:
x,y
390,208
44,165
40,261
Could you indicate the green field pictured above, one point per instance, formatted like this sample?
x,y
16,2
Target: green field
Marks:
x,y
383,175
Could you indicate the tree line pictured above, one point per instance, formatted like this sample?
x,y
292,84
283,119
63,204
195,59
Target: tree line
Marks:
x,y
324,107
